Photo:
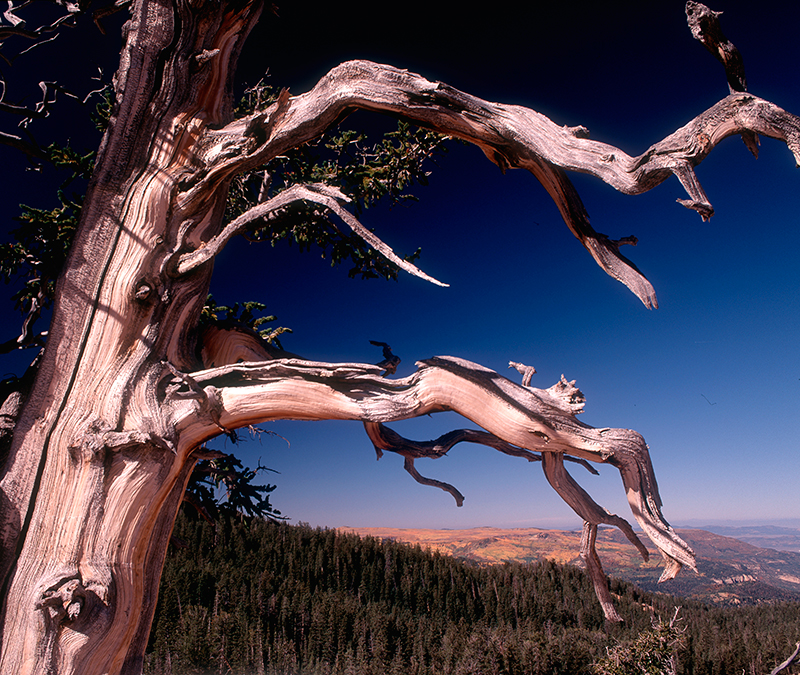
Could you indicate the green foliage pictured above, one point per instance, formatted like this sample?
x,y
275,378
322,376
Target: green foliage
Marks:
x,y
39,251
65,157
368,172
652,652
255,597
41,243
224,487
223,315
104,108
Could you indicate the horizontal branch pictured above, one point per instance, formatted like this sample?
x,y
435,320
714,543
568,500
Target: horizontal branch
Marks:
x,y
541,420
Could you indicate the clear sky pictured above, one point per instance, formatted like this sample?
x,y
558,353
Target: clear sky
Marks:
x,y
711,378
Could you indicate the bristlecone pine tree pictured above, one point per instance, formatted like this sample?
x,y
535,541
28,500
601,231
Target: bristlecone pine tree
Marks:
x,y
130,385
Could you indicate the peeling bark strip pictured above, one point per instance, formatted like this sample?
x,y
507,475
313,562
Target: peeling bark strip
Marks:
x,y
129,386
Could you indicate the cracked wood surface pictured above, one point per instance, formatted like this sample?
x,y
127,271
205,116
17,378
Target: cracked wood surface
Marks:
x,y
511,136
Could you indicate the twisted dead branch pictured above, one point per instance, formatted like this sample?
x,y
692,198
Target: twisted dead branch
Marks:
x,y
511,136
520,421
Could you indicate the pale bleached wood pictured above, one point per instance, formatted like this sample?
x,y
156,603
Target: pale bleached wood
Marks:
x,y
788,662
533,419
317,193
92,484
511,136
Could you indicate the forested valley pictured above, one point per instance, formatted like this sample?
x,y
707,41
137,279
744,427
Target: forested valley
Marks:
x,y
251,596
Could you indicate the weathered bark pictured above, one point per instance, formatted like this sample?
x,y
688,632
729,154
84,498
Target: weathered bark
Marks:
x,y
93,481
511,136
129,387
205,402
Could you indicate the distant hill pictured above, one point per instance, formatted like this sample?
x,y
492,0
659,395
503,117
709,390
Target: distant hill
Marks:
x,y
731,571
765,536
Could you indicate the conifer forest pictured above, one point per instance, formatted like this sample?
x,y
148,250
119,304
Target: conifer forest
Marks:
x,y
250,596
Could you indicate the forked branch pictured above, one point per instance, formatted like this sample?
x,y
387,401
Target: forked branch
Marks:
x,y
539,420
384,438
511,136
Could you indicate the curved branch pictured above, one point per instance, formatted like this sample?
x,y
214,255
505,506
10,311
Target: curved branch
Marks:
x,y
705,26
408,465
318,193
580,502
592,514
529,418
511,136
788,662
384,438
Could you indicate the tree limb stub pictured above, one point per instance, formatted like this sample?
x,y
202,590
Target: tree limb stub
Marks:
x,y
531,419
705,26
509,135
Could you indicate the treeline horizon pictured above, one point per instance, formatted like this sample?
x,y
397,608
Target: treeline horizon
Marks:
x,y
254,597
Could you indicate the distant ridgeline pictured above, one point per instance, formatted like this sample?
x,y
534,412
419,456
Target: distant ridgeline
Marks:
x,y
253,597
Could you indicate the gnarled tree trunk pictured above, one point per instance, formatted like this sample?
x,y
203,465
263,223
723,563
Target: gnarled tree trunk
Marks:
x,y
129,389
97,471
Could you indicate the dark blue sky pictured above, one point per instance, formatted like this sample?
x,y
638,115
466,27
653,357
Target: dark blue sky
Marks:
x,y
711,379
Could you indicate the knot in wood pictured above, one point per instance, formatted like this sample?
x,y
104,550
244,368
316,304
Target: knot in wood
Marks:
x,y
143,291
578,132
206,55
64,600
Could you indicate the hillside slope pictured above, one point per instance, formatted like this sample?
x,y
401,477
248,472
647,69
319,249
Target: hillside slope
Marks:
x,y
251,597
730,571
765,536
